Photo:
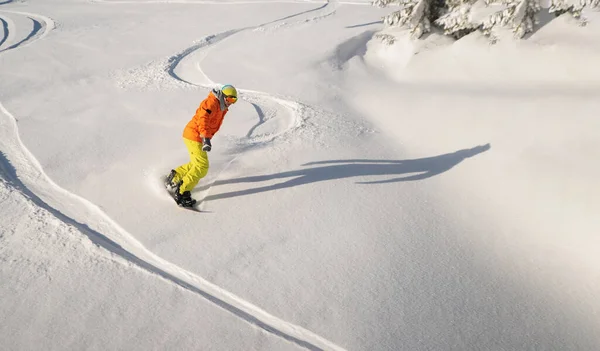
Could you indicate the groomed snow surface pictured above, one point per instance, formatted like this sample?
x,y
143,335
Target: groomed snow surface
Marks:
x,y
425,195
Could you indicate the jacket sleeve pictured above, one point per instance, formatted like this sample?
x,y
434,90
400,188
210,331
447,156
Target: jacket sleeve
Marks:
x,y
203,114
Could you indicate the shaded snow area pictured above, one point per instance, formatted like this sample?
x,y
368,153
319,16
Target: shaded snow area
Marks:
x,y
368,191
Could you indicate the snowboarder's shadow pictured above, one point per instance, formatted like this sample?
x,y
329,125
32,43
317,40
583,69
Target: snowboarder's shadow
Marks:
x,y
401,170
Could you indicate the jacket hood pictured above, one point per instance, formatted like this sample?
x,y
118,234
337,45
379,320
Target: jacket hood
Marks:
x,y
221,97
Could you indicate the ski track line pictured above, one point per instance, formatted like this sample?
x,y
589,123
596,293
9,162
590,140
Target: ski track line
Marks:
x,y
210,2
104,232
40,24
239,2
297,121
174,62
200,50
31,179
6,30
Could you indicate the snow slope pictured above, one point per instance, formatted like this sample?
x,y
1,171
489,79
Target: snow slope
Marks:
x,y
429,195
62,291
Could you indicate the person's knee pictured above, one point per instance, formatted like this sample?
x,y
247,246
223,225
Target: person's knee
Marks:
x,y
200,171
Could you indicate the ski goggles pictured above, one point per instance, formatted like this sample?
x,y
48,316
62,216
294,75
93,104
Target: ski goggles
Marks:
x,y
231,99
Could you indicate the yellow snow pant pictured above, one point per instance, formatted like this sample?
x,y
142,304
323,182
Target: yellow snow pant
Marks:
x,y
190,173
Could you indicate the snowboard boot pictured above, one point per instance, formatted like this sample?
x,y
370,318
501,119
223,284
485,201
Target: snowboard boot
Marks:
x,y
169,181
185,199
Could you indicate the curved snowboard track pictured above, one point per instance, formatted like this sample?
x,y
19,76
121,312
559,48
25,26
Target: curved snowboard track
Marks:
x,y
186,67
189,60
205,2
25,173
103,231
30,179
41,27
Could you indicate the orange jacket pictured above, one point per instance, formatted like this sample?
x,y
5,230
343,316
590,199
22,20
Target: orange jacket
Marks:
x,y
208,118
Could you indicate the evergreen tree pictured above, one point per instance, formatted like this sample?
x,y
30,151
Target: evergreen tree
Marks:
x,y
455,16
414,14
518,15
455,19
558,7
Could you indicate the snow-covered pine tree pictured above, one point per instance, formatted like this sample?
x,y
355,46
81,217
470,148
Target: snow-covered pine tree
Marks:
x,y
416,15
518,15
558,7
454,16
455,19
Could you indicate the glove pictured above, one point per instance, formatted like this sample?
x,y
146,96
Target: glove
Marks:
x,y
206,145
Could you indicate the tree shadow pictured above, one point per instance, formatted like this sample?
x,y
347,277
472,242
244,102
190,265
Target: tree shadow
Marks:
x,y
400,170
544,17
365,24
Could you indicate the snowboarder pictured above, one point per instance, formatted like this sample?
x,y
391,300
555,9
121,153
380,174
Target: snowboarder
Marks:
x,y
196,136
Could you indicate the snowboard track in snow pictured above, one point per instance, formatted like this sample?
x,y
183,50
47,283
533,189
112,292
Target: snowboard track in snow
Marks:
x,y
8,172
41,27
208,2
5,31
210,40
22,171
198,52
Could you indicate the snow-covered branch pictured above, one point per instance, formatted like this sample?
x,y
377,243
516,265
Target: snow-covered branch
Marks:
x,y
575,7
456,17
518,15
414,14
456,20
